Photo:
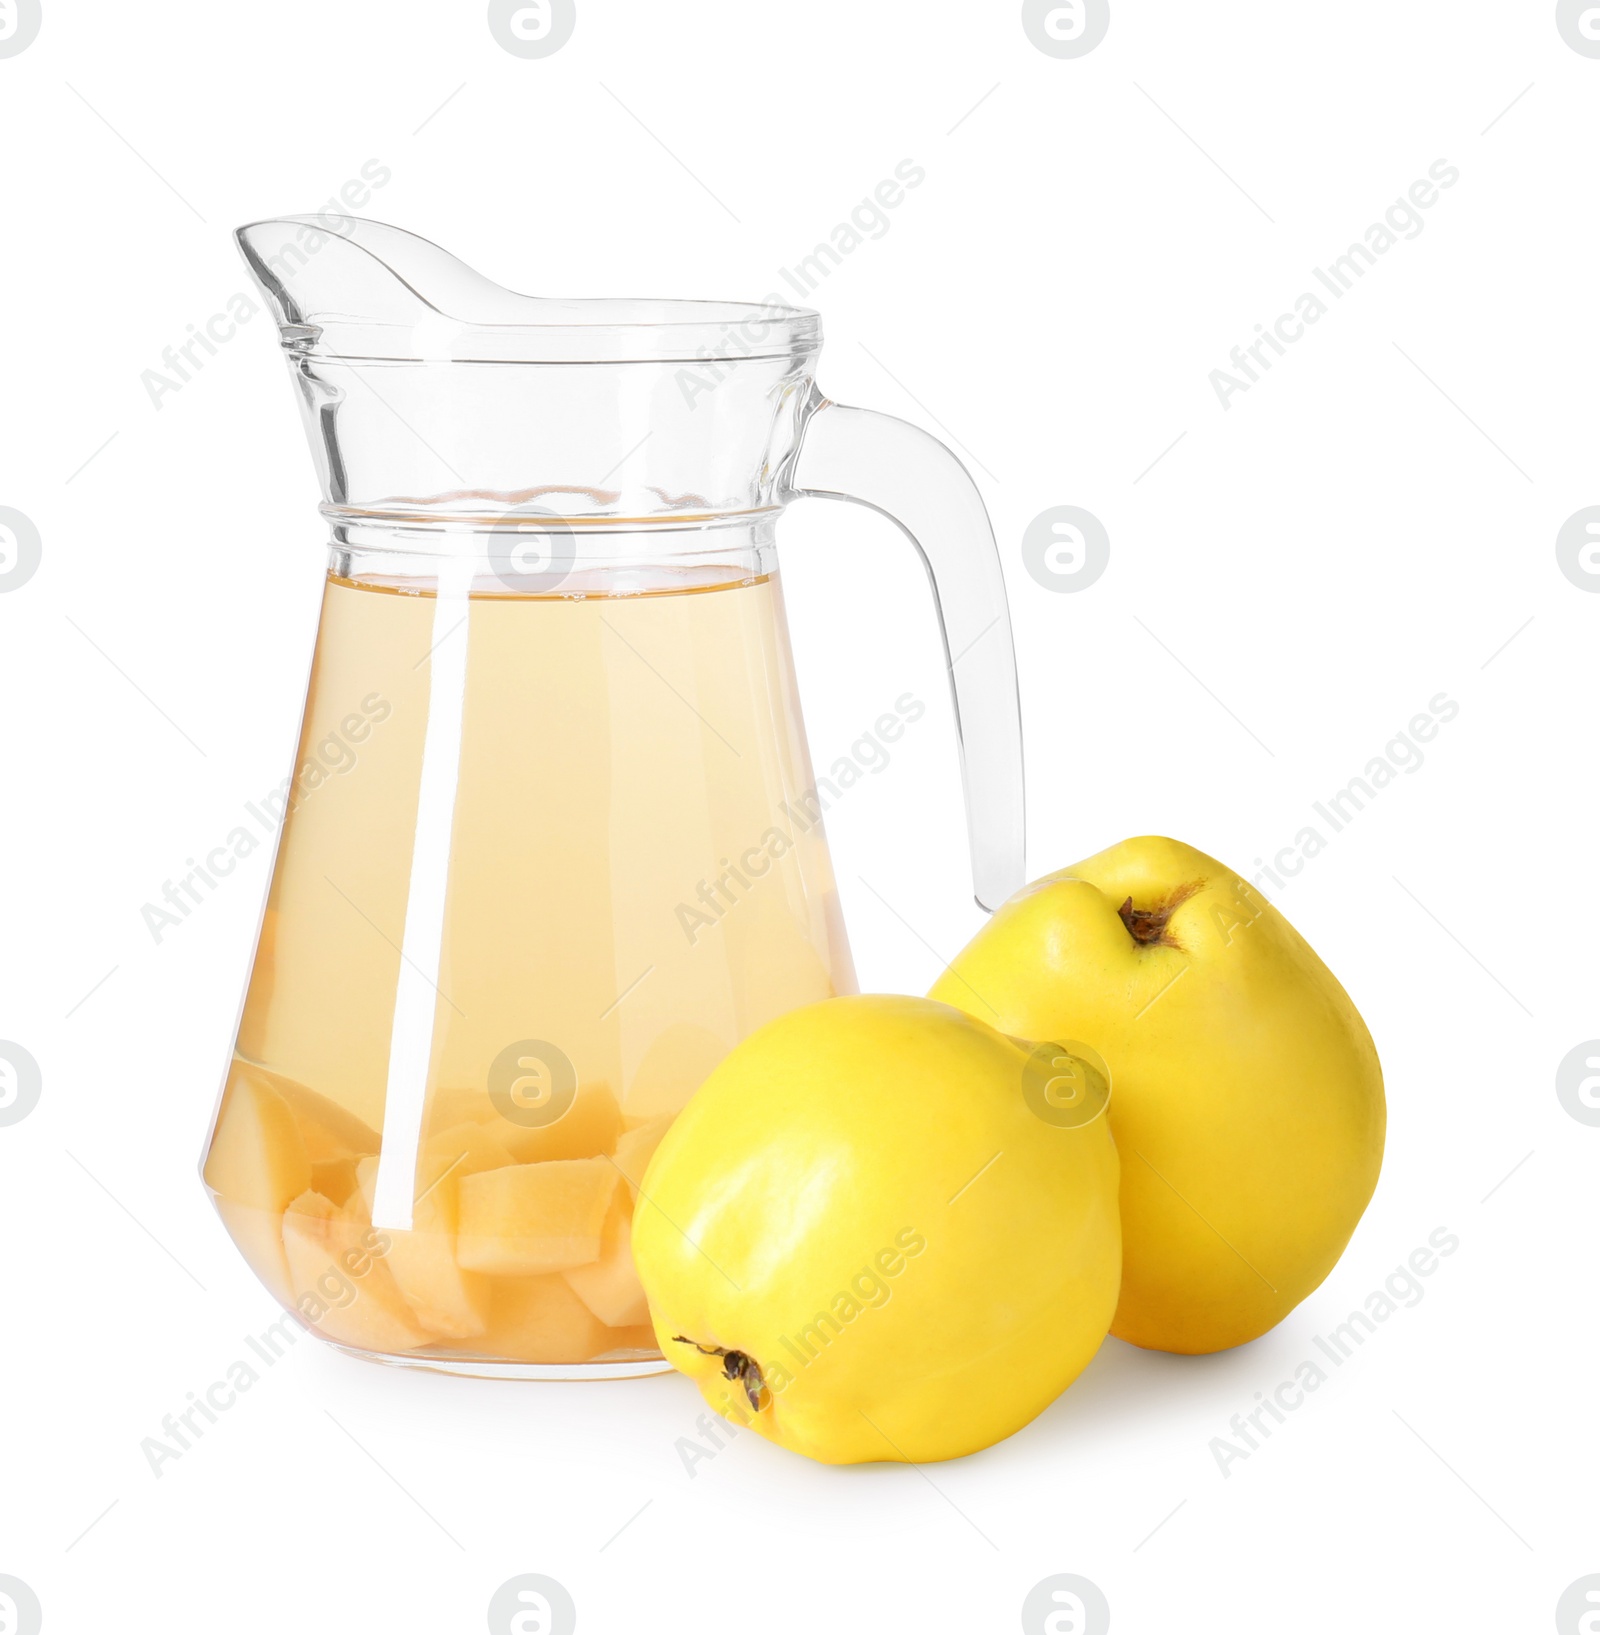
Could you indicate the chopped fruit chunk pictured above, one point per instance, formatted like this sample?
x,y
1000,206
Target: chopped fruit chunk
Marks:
x,y
257,1154
464,1149
533,1218
588,1129
539,1319
459,1104
610,1287
256,1165
444,1160
329,1130
446,1300
258,1235
340,1281
635,1148
642,1338
450,1302
359,1205
334,1178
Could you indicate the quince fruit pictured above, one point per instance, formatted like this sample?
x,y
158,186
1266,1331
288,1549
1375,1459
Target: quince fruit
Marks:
x,y
864,1240
1248,1106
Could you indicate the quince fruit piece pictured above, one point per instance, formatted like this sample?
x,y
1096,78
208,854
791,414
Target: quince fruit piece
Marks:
x,y
609,1286
256,1165
529,1219
446,1299
540,1320
340,1282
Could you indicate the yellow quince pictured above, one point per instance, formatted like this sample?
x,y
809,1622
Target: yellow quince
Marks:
x,y
1249,1108
883,1231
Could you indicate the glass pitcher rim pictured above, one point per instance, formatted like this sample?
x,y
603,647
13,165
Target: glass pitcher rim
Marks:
x,y
519,328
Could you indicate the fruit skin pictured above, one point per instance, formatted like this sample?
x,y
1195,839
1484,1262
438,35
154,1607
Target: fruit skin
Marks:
x,y
1247,1100
819,1208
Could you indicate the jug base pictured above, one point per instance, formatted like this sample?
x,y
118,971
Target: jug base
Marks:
x,y
485,1368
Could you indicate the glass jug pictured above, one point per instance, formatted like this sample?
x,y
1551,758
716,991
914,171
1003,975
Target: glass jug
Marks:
x,y
552,843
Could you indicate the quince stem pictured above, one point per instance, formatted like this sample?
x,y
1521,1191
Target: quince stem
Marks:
x,y
736,1365
1149,925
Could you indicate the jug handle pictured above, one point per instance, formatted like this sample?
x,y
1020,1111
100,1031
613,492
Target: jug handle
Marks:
x,y
910,477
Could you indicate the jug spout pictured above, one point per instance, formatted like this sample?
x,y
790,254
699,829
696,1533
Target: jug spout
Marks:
x,y
349,276
433,394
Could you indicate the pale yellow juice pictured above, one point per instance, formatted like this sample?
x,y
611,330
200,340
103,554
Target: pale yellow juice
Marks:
x,y
580,824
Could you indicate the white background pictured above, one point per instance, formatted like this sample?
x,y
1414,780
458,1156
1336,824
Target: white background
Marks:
x,y
1368,527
